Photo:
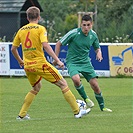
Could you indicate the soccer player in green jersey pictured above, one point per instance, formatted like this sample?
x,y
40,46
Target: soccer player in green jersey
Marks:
x,y
79,42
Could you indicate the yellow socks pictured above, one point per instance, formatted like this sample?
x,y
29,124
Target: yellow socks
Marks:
x,y
70,98
27,102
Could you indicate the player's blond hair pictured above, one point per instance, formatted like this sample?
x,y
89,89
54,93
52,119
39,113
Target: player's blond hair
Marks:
x,y
33,13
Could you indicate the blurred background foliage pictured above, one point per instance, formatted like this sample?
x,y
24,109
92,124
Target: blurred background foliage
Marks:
x,y
113,19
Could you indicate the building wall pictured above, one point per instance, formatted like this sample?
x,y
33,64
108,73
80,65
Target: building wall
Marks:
x,y
9,24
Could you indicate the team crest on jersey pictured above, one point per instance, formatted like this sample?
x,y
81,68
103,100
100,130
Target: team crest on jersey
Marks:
x,y
90,36
45,34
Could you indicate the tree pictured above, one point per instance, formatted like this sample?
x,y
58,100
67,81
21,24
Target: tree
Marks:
x,y
114,17
71,22
55,16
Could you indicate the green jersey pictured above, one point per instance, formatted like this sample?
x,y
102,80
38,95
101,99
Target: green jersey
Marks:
x,y
79,46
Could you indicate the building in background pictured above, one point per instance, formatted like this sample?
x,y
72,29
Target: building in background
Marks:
x,y
13,16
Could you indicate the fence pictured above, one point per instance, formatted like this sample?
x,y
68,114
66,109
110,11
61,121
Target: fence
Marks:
x,y
117,59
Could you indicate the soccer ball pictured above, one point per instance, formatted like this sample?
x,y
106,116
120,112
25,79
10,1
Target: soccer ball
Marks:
x,y
81,104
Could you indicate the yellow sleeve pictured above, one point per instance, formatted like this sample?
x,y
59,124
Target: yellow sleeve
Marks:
x,y
43,35
16,41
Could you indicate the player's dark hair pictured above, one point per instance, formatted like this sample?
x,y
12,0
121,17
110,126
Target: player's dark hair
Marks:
x,y
86,17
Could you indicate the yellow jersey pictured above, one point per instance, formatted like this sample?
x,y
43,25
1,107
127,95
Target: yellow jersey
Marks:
x,y
31,37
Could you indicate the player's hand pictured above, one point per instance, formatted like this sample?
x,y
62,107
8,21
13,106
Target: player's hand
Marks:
x,y
21,63
60,64
54,63
99,58
99,55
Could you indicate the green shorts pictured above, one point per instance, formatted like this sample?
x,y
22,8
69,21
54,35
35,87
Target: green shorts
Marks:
x,y
86,70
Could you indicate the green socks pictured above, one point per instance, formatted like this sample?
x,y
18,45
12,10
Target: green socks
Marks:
x,y
81,91
98,97
100,100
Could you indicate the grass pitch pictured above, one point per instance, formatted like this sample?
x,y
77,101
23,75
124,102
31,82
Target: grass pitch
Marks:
x,y
50,113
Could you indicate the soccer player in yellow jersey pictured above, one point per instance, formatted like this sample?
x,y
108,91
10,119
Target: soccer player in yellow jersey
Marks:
x,y
33,38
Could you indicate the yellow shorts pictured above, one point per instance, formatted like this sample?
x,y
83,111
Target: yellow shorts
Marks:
x,y
42,70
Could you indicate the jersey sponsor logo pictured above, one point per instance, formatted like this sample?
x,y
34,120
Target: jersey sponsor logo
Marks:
x,y
29,69
29,49
31,63
30,55
30,27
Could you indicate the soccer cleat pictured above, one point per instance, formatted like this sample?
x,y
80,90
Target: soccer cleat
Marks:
x,y
106,110
27,117
89,102
82,112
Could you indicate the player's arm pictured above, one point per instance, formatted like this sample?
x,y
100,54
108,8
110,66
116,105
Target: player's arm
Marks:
x,y
57,48
16,55
50,51
65,40
57,51
97,48
99,54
